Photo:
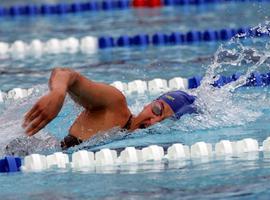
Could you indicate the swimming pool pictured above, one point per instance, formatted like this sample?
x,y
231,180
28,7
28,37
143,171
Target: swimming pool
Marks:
x,y
241,115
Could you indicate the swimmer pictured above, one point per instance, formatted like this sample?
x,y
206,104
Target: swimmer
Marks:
x,y
105,107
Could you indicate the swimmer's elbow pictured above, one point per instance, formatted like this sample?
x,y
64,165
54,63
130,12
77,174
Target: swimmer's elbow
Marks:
x,y
64,75
63,70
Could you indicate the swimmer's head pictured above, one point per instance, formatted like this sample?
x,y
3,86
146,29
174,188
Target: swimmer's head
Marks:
x,y
180,103
169,105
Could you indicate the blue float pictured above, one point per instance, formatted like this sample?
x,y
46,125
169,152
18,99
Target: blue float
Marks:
x,y
241,31
181,2
227,79
234,32
14,11
123,41
106,42
209,35
89,6
31,10
46,9
196,2
61,8
220,82
168,2
2,11
265,78
194,82
159,39
254,80
93,6
10,164
225,34
75,7
193,36
251,32
141,40
123,4
176,38
107,5
212,1
86,6
236,76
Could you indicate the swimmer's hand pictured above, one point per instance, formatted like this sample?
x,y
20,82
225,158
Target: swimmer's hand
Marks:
x,y
43,112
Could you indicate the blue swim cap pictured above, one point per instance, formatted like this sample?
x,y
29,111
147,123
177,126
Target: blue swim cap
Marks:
x,y
180,102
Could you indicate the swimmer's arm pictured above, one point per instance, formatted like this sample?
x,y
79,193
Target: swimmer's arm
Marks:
x,y
87,93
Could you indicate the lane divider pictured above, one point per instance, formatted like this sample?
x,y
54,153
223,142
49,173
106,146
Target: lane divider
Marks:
x,y
64,8
158,85
90,44
83,159
93,6
256,79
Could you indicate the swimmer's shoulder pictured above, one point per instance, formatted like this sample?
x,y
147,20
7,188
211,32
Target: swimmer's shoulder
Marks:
x,y
117,100
118,97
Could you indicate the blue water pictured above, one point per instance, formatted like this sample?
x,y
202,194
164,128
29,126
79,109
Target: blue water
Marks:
x,y
234,116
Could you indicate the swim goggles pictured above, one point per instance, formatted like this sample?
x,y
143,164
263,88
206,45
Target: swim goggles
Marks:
x,y
157,108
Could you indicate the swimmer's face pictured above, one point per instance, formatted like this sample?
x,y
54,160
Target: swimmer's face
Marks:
x,y
154,112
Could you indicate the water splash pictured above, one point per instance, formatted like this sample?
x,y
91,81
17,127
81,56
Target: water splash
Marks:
x,y
221,107
11,131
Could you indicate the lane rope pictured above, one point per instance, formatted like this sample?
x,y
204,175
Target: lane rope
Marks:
x,y
91,44
157,85
86,160
104,5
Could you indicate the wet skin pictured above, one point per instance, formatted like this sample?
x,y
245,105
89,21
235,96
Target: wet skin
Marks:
x,y
104,106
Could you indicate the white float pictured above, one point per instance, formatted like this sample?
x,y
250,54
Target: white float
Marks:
x,y
178,151
83,159
89,44
18,48
178,83
119,85
224,147
53,46
201,149
152,153
247,145
57,159
70,45
157,85
266,144
137,86
4,48
17,93
34,162
106,157
130,155
35,47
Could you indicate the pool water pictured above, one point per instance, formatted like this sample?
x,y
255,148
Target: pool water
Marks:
x,y
227,113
